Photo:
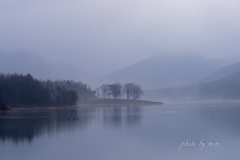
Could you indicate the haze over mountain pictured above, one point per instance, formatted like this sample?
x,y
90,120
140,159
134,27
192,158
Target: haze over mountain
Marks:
x,y
231,79
168,70
226,88
40,68
160,71
223,72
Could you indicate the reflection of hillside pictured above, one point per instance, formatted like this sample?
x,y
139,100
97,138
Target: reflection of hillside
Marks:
x,y
25,125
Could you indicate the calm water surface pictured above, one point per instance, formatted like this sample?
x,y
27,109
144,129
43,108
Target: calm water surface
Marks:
x,y
123,133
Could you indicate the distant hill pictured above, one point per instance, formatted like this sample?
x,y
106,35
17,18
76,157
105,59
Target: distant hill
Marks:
x,y
233,78
227,88
224,88
221,73
23,63
167,70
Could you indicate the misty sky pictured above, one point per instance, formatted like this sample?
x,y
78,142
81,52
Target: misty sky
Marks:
x,y
104,35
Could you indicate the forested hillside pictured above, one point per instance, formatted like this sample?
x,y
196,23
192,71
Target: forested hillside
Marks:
x,y
222,72
224,88
163,71
227,88
25,91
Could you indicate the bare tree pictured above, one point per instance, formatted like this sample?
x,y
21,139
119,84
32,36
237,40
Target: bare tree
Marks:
x,y
97,91
104,90
109,91
133,90
127,88
115,90
137,92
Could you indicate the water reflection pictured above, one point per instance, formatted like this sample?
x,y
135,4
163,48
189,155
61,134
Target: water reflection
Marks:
x,y
25,125
119,133
119,116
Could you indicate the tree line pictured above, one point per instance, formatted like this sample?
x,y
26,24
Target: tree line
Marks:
x,y
117,91
84,91
24,90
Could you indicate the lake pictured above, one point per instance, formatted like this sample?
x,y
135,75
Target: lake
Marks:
x,y
190,131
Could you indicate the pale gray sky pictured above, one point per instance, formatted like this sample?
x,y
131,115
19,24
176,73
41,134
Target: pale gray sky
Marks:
x,y
104,35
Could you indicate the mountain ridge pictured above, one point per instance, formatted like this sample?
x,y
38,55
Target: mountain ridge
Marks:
x,y
166,70
222,72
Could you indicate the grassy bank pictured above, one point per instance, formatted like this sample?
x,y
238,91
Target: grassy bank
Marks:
x,y
114,102
95,103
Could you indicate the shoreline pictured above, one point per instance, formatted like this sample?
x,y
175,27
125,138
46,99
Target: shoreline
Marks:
x,y
50,107
102,105
95,103
116,102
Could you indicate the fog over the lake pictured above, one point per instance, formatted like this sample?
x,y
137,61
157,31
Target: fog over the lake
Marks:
x,y
103,36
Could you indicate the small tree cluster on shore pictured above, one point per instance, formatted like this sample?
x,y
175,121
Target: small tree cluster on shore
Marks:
x,y
117,91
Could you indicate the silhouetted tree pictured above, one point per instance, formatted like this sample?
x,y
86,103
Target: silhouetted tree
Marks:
x,y
137,92
127,88
27,91
97,92
133,91
83,90
115,90
104,90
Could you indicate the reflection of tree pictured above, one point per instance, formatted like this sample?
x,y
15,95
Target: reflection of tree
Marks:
x,y
112,115
25,125
117,116
133,116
